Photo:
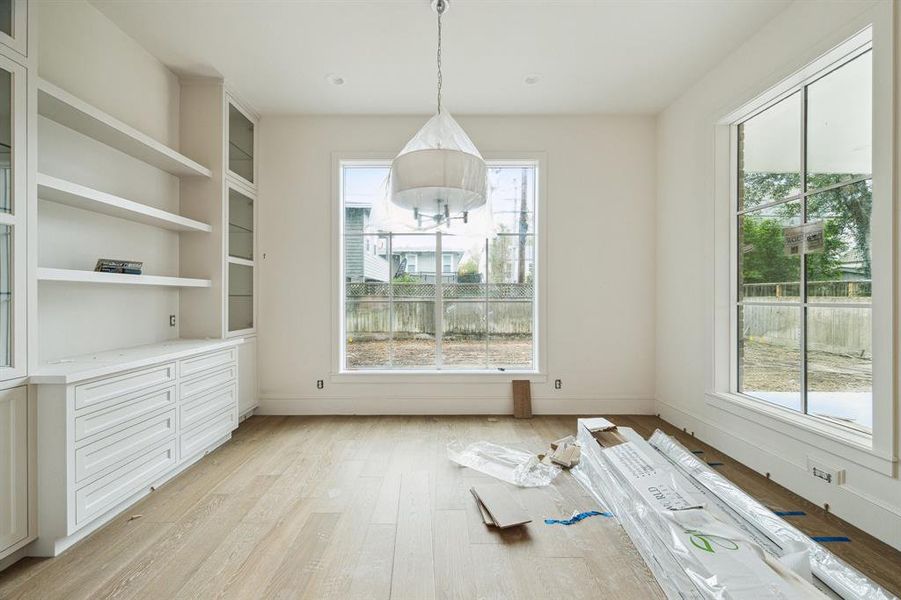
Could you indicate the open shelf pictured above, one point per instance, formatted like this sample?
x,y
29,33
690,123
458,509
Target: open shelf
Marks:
x,y
79,196
66,109
72,275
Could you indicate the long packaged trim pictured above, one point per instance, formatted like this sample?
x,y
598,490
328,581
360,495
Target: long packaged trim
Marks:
x,y
694,547
842,579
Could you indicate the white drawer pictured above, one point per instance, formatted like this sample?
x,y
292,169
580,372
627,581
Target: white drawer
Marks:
x,y
129,407
96,394
108,491
198,438
207,381
196,364
93,458
204,406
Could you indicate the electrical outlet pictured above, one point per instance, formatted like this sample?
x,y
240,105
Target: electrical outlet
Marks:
x,y
826,473
320,384
558,384
171,320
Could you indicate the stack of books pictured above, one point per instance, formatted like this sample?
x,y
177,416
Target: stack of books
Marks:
x,y
131,267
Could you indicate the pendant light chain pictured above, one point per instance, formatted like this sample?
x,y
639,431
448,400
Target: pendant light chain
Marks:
x,y
439,61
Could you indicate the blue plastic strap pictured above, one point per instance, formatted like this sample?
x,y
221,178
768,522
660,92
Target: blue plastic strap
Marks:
x,y
577,518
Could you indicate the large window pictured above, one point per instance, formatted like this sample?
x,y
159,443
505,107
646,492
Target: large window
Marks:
x,y
803,261
439,300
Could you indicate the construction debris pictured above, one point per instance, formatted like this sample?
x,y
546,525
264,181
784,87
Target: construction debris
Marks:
x,y
507,464
498,507
564,452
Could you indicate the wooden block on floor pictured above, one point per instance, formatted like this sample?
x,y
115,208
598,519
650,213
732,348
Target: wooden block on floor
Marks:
x,y
522,399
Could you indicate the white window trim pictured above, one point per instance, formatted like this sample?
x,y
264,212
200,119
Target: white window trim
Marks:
x,y
412,262
877,452
538,374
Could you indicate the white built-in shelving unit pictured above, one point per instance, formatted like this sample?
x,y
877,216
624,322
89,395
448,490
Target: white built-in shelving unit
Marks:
x,y
67,109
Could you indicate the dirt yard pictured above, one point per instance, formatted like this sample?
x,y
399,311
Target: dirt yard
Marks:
x,y
456,353
776,368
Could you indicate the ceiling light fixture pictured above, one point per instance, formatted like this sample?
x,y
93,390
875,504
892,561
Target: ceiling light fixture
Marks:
x,y
439,175
531,79
334,79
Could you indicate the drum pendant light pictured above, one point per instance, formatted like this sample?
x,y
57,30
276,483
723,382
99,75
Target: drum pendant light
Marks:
x,y
439,175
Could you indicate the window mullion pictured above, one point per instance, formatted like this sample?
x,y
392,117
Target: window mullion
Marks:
x,y
803,290
487,275
389,253
439,303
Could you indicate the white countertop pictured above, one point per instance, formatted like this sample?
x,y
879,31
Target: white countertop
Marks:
x,y
87,366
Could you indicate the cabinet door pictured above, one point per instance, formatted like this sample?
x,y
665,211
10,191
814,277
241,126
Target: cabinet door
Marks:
x,y
241,144
13,467
241,243
247,376
12,219
14,24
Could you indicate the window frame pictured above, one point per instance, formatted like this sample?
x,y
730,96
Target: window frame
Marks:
x,y
339,373
875,450
803,303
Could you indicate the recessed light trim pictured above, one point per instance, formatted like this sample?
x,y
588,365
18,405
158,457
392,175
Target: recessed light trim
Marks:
x,y
531,79
334,79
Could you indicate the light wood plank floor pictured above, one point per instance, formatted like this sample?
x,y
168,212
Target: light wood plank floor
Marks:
x,y
370,507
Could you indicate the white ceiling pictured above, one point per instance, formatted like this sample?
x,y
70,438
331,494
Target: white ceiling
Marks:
x,y
593,56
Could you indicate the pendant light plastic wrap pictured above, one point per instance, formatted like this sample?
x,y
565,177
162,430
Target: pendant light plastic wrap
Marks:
x,y
440,165
437,183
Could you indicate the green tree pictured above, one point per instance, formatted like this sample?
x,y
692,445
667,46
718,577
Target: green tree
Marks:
x,y
845,212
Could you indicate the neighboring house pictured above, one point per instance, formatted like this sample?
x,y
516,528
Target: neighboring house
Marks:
x,y
852,266
364,261
365,258
415,255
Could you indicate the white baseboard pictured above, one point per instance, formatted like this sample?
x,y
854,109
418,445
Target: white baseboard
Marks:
x,y
16,556
858,508
296,405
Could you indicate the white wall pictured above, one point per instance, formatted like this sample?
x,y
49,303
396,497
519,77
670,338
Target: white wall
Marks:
x,y
83,52
686,264
600,265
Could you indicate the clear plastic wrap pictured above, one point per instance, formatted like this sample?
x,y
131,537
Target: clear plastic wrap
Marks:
x,y
841,578
693,550
507,464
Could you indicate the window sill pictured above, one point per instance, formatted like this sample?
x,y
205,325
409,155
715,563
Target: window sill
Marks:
x,y
425,376
835,439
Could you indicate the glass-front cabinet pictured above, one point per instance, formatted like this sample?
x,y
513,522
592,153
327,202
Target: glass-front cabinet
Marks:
x,y
12,219
241,236
241,144
14,24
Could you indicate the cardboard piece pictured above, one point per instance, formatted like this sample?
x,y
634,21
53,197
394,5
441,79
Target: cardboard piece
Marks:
x,y
608,439
522,399
597,424
486,516
502,508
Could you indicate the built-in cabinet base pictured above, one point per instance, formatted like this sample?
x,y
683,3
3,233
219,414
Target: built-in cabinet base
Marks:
x,y
111,433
